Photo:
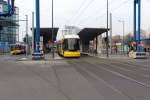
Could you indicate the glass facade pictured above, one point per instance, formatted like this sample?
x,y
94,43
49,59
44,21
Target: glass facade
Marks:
x,y
9,26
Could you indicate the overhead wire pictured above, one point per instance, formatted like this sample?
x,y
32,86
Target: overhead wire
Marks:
x,y
123,3
114,9
82,11
80,7
98,10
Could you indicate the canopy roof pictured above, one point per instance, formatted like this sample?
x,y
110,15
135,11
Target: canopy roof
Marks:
x,y
88,34
47,33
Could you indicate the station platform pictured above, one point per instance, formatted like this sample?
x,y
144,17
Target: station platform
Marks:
x,y
111,56
47,57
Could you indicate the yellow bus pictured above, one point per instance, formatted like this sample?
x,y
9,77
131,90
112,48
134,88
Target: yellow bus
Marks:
x,y
16,49
69,46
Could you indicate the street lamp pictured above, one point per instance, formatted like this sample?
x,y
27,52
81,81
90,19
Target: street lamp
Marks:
x,y
122,21
107,32
26,35
52,29
33,32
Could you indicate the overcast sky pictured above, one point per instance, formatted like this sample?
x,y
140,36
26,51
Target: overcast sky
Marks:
x,y
85,13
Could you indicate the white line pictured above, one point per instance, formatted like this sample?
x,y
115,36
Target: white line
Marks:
x,y
146,69
126,69
104,82
126,77
147,76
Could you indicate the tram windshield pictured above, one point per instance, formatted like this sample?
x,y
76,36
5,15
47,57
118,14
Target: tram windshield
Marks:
x,y
71,44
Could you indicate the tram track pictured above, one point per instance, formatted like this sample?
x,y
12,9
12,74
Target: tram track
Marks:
x,y
113,79
128,71
106,65
87,73
125,66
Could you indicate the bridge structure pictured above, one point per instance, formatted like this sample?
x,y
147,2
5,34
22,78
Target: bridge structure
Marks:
x,y
10,7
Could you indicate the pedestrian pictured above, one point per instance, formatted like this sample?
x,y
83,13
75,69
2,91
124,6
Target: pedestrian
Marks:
x,y
116,49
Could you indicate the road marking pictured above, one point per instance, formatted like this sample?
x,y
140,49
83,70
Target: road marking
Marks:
x,y
107,84
123,69
52,63
146,69
126,77
148,76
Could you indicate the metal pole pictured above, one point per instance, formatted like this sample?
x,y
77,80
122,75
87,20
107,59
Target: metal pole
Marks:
x,y
22,36
111,32
96,45
139,24
107,32
37,26
18,24
149,34
52,32
26,35
135,23
32,32
123,37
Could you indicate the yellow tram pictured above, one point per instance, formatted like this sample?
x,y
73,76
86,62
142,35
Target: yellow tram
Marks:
x,y
69,46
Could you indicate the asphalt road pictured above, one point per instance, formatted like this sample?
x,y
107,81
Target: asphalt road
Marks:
x,y
117,79
85,78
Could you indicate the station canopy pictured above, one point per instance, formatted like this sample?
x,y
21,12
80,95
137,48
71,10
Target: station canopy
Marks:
x,y
88,34
47,33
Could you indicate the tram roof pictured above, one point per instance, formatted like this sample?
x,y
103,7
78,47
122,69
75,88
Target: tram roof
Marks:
x,y
71,36
88,34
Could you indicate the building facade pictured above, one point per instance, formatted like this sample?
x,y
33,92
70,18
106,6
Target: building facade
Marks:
x,y
9,27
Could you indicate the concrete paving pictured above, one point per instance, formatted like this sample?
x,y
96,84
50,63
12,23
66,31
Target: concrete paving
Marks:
x,y
85,78
43,80
117,79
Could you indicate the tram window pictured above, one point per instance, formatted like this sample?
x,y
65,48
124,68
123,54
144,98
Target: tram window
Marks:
x,y
77,45
65,44
71,44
